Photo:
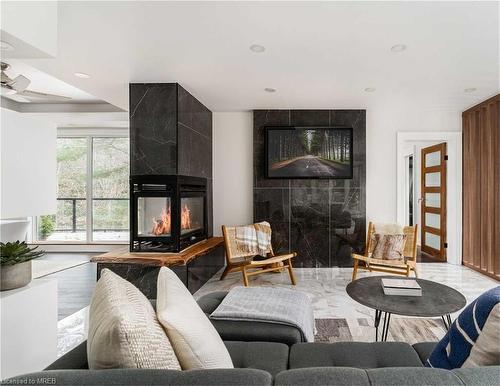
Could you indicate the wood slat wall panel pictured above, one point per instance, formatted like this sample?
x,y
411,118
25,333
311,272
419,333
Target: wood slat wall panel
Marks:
x,y
465,191
481,187
496,156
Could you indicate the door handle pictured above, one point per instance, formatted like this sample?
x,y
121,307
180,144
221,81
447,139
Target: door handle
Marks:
x,y
421,199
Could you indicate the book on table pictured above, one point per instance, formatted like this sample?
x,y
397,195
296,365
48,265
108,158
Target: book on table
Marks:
x,y
401,287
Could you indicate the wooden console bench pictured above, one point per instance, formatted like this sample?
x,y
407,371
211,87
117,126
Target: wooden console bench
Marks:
x,y
194,266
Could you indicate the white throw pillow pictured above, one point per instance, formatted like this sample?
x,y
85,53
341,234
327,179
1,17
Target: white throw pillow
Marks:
x,y
123,329
196,342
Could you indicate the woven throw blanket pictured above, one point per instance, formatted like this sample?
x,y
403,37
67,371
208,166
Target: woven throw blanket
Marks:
x,y
271,305
254,239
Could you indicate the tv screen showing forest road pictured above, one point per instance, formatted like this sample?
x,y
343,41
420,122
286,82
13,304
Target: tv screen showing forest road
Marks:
x,y
308,152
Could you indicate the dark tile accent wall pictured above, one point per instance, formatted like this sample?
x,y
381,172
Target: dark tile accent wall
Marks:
x,y
170,133
323,221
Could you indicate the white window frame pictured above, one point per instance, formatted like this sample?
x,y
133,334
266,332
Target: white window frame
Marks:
x,y
88,134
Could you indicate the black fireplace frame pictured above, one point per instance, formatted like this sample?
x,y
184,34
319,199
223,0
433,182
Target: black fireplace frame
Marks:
x,y
176,187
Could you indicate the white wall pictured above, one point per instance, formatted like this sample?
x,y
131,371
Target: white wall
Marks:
x,y
383,122
28,166
232,169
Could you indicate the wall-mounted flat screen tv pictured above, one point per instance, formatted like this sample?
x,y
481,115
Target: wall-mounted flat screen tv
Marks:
x,y
308,152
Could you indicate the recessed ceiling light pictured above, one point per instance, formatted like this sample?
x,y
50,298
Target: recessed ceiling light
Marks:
x,y
470,89
82,75
257,48
4,46
398,48
370,89
269,89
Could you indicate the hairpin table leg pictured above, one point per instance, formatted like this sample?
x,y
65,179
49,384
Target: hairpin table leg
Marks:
x,y
378,314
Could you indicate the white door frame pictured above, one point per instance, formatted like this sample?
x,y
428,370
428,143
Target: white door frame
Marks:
x,y
453,190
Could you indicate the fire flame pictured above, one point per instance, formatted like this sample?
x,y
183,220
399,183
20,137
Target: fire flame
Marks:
x,y
163,225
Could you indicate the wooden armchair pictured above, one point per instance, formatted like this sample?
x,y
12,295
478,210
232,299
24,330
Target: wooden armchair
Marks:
x,y
398,267
238,261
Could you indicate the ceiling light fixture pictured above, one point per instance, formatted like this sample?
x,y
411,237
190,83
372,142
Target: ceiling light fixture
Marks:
x,y
257,48
398,48
470,89
269,89
370,89
82,75
4,46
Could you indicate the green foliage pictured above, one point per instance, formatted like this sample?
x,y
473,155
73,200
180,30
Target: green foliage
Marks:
x,y
17,252
47,226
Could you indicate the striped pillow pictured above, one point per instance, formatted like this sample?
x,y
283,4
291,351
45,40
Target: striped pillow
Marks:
x,y
473,339
389,247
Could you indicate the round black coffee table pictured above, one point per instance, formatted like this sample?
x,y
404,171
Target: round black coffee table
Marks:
x,y
436,300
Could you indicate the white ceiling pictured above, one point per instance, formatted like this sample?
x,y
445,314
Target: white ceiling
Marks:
x,y
318,55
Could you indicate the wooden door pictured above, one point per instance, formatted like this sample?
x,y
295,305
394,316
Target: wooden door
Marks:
x,y
433,200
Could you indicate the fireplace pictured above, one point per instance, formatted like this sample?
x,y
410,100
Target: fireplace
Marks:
x,y
168,213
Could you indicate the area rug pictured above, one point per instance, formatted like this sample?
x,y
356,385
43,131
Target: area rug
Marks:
x,y
409,330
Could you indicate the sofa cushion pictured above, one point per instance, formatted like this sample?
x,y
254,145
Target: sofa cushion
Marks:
x,y
270,357
247,331
74,359
487,375
424,349
209,302
322,376
133,377
195,340
412,376
123,329
353,354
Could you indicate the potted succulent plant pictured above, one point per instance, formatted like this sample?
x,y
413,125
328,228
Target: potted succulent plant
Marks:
x,y
16,264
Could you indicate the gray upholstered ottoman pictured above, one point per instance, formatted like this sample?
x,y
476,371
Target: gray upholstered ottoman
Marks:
x,y
247,331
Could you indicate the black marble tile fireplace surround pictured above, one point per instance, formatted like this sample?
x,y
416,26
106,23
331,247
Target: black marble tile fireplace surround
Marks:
x,y
170,135
322,220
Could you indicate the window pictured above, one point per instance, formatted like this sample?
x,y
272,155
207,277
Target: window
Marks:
x,y
92,191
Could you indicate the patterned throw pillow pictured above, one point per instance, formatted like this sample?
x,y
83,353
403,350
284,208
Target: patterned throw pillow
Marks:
x,y
473,339
389,247
123,329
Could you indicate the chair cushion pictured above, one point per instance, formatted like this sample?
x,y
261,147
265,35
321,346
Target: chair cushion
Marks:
x,y
194,339
353,354
270,357
247,331
473,338
123,329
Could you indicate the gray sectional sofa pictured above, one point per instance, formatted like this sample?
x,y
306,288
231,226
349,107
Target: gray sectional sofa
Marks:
x,y
260,358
